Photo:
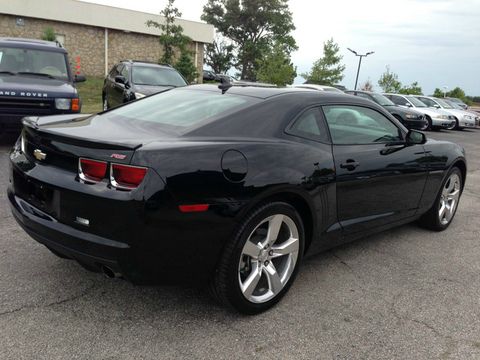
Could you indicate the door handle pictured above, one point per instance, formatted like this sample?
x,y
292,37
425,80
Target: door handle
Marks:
x,y
349,164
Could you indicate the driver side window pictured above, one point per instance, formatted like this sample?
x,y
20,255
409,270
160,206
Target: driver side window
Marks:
x,y
359,125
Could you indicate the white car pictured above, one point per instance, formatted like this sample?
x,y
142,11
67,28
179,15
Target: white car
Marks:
x,y
318,87
463,119
437,118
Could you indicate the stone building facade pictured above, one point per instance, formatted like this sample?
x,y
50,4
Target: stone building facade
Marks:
x,y
96,48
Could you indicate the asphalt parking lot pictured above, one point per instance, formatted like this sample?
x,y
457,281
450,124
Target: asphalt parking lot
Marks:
x,y
404,294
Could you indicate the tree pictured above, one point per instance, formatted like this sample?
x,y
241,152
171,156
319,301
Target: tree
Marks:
x,y
172,35
186,67
438,93
456,93
367,86
276,67
49,34
413,89
389,81
219,56
253,26
327,70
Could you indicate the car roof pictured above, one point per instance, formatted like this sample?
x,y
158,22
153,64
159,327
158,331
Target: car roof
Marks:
x,y
262,92
146,63
32,44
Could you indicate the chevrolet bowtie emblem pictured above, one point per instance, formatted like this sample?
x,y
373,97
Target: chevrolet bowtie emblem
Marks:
x,y
39,155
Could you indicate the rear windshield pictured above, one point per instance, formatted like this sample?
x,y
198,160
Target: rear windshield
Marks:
x,y
157,76
180,110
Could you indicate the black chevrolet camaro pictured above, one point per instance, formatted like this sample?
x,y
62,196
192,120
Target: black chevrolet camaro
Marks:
x,y
229,188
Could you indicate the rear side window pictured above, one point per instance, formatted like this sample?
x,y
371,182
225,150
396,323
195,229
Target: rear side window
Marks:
x,y
359,125
180,109
309,125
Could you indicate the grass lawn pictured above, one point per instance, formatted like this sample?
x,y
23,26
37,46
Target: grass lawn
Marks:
x,y
91,94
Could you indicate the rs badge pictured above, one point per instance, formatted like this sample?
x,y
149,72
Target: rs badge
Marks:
x,y
39,155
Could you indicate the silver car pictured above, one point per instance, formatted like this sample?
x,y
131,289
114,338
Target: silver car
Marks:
x,y
463,119
475,115
437,118
318,87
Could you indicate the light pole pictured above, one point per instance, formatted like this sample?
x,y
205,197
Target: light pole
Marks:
x,y
445,91
359,62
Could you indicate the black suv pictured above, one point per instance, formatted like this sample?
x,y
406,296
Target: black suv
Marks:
x,y
35,79
410,118
132,79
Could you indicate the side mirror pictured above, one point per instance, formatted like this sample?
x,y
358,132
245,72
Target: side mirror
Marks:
x,y
415,137
120,79
79,78
436,106
408,104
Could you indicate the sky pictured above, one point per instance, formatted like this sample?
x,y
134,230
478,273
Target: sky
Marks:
x,y
434,42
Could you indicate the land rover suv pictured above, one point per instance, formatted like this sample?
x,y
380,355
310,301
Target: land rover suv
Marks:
x,y
35,80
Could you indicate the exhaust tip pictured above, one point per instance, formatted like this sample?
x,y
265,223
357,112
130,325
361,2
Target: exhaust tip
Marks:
x,y
109,273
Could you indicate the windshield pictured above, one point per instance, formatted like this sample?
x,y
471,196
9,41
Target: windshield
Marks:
x,y
18,60
382,100
453,105
444,104
180,109
156,76
416,102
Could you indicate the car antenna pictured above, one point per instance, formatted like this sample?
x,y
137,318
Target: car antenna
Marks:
x,y
225,84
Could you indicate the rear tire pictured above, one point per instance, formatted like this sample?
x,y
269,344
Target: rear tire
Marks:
x,y
441,214
261,262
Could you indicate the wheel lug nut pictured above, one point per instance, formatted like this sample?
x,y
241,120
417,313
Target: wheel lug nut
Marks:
x,y
270,252
266,263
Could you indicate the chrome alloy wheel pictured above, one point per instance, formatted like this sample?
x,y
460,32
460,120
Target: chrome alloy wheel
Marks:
x,y
449,199
268,258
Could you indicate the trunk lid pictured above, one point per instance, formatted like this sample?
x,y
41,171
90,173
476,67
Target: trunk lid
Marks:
x,y
63,139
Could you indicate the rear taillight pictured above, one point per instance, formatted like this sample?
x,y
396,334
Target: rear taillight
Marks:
x,y
91,170
126,176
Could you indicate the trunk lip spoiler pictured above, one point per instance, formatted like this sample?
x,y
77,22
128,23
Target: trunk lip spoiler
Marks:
x,y
31,122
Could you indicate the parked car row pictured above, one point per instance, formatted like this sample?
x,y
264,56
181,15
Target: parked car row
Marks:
x,y
227,186
415,111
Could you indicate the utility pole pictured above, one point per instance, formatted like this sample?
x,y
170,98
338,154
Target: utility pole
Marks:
x,y
359,62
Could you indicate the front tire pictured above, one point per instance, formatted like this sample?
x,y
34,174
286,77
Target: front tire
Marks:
x,y
441,214
430,124
260,264
105,103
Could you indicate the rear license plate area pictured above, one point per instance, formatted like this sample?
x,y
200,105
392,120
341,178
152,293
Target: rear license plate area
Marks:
x,y
37,194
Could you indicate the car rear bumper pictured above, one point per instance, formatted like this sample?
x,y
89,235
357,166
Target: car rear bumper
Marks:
x,y
146,242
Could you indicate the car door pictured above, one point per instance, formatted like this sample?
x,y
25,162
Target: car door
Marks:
x,y
110,85
379,177
118,89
